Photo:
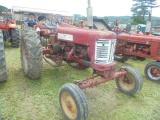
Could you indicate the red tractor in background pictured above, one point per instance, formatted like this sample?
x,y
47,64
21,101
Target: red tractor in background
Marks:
x,y
82,47
136,46
141,47
9,28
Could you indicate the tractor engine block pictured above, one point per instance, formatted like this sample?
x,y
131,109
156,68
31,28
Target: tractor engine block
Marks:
x,y
133,47
82,52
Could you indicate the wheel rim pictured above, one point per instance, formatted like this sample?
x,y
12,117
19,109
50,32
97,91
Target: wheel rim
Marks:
x,y
128,82
154,72
69,105
24,59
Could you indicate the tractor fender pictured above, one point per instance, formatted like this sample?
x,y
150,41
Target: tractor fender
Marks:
x,y
12,25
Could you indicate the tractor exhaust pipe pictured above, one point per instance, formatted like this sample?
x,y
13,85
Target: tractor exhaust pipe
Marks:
x,y
89,15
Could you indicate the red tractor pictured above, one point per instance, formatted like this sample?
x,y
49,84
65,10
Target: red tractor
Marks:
x,y
141,47
10,31
137,46
82,47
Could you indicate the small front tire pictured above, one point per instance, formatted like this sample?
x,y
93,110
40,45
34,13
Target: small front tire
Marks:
x,y
131,83
152,71
73,102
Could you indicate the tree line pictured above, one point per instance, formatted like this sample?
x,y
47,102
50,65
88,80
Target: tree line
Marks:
x,y
141,10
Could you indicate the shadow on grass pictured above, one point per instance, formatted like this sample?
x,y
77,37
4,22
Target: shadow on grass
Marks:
x,y
3,85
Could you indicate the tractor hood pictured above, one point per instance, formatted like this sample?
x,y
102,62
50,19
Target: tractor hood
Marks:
x,y
83,36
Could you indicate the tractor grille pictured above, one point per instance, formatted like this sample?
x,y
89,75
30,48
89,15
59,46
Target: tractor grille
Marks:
x,y
104,51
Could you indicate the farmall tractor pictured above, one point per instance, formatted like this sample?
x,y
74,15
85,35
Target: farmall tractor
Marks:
x,y
86,48
10,31
141,47
83,47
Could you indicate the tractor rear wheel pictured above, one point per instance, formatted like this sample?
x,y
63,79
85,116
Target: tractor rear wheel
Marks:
x,y
73,102
0,114
15,38
152,71
131,83
120,57
31,53
3,71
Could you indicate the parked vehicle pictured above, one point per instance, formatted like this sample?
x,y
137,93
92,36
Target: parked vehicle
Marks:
x,y
9,28
83,47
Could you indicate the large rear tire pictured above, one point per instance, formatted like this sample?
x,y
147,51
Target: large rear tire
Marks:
x,y
31,53
3,71
73,102
0,114
152,71
15,40
131,83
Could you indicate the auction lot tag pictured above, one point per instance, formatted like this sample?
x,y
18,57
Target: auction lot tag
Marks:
x,y
65,36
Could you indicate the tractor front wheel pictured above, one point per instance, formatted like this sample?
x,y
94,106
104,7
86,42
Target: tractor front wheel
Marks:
x,y
15,38
131,83
31,53
3,71
73,102
152,71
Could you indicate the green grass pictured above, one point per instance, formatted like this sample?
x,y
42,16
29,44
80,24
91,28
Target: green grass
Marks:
x,y
24,99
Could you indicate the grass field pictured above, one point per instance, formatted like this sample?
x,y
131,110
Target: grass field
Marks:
x,y
24,99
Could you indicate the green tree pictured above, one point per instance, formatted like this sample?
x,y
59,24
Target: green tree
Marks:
x,y
140,9
106,19
3,9
95,17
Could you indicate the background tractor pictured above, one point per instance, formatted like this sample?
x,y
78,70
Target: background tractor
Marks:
x,y
140,47
10,30
136,46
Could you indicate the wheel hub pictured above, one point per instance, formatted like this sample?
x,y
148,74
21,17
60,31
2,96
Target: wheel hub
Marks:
x,y
154,72
69,105
127,82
